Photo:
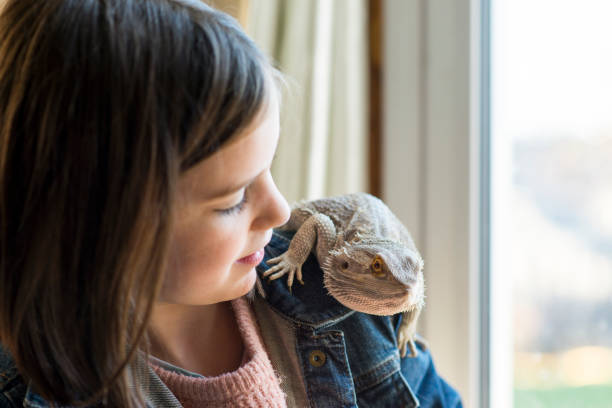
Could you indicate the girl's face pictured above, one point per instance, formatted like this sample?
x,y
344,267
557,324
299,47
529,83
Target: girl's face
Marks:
x,y
214,228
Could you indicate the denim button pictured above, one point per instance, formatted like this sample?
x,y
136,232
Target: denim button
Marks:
x,y
317,358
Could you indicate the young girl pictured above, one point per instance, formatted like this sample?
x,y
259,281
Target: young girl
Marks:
x,y
136,139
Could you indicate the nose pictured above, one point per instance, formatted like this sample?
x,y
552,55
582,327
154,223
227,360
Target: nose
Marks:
x,y
283,211
275,210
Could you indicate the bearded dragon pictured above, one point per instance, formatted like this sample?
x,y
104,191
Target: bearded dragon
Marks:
x,y
369,260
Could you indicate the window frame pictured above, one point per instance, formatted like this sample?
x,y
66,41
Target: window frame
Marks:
x,y
436,173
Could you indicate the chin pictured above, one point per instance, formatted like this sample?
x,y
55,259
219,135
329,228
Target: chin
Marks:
x,y
246,283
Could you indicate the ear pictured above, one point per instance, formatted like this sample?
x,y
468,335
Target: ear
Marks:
x,y
353,235
359,219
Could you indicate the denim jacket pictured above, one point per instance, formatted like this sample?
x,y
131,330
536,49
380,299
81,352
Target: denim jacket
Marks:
x,y
325,354
347,358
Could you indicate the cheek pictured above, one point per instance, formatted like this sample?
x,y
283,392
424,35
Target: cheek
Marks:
x,y
200,259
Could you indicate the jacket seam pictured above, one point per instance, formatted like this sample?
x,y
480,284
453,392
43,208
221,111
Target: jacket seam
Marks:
x,y
298,354
377,374
317,326
4,397
6,392
409,388
303,364
7,379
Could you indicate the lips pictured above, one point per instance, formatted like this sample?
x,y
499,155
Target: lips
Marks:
x,y
253,259
257,256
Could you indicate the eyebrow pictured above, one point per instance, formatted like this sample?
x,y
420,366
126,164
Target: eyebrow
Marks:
x,y
227,190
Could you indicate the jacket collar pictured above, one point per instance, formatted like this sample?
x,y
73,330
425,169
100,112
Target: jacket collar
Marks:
x,y
34,400
144,374
309,304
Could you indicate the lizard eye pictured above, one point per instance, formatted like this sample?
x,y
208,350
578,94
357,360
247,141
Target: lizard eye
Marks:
x,y
377,267
345,265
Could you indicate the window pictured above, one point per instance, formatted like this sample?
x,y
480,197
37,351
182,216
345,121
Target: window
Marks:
x,y
551,203
498,144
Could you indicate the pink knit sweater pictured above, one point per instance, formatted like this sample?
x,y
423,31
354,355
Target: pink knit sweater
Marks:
x,y
253,384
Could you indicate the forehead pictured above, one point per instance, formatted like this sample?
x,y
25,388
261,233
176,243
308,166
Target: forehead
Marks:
x,y
238,161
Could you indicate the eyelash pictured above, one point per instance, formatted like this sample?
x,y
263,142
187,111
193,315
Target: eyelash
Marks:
x,y
237,208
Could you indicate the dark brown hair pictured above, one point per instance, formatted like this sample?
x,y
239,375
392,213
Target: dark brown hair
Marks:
x,y
103,104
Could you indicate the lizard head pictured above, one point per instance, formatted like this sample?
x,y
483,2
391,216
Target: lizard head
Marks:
x,y
375,276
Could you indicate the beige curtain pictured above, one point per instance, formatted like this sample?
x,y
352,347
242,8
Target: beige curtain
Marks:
x,y
239,9
321,46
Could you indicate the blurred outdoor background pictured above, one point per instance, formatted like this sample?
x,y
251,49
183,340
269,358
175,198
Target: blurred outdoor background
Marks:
x,y
552,109
486,125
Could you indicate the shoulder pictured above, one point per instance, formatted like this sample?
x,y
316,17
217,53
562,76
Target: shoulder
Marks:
x,y
308,304
12,386
430,388
367,343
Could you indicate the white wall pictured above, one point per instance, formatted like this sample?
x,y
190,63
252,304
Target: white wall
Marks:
x,y
432,168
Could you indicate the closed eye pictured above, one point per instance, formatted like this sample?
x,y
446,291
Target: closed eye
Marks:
x,y
235,209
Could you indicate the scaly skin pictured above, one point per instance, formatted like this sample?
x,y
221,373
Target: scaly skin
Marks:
x,y
368,258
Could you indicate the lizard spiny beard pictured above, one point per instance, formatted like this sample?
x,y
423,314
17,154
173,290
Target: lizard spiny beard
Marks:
x,y
357,289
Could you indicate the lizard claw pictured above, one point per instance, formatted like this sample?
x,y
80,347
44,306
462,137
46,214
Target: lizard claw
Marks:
x,y
299,275
284,266
274,260
405,342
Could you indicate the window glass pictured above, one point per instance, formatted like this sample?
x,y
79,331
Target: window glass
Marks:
x,y
551,138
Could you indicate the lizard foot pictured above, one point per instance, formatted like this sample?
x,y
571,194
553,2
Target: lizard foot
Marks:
x,y
406,333
405,342
284,266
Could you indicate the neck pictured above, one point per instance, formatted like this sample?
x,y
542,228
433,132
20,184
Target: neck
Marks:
x,y
204,339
